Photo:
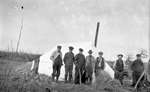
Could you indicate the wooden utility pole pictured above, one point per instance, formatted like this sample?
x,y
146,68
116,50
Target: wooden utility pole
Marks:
x,y
20,29
96,35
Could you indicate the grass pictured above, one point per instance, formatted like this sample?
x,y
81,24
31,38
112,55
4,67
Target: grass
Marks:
x,y
15,76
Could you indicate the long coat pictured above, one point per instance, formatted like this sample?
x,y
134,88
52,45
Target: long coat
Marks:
x,y
79,68
90,62
137,66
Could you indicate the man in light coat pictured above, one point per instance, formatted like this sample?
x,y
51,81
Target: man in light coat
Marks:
x,y
56,57
90,61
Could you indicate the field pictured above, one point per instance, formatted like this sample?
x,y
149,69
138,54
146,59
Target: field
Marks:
x,y
15,76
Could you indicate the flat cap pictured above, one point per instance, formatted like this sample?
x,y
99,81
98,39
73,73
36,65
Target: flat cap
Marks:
x,y
59,46
100,53
71,48
80,49
120,55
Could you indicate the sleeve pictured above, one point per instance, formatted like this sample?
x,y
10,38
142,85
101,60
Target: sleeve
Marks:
x,y
95,70
142,64
114,65
52,57
102,64
75,59
86,58
132,65
61,54
93,63
124,64
65,58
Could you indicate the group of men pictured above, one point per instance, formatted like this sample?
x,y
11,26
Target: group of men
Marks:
x,y
137,68
85,66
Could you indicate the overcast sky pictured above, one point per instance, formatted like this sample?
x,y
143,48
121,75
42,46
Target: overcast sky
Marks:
x,y
124,24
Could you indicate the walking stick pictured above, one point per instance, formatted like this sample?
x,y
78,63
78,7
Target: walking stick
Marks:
x,y
139,79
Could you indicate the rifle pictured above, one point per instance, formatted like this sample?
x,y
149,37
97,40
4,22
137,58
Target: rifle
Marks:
x,y
139,79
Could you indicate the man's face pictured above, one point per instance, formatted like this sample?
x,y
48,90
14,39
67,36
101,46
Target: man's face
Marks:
x,y
59,49
80,51
138,58
100,55
119,57
90,53
70,50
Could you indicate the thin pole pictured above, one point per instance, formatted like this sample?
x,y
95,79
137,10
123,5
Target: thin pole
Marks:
x,y
96,35
18,43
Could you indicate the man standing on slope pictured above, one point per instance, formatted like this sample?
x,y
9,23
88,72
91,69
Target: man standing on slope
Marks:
x,y
119,68
100,63
137,67
90,61
79,66
68,61
56,57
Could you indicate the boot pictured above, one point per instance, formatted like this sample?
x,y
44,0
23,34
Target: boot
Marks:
x,y
57,79
53,77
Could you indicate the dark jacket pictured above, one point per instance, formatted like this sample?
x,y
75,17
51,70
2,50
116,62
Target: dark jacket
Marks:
x,y
100,64
119,65
69,59
137,66
80,61
58,60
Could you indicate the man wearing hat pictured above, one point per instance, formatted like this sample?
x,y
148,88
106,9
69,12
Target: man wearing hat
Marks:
x,y
119,68
79,66
68,61
56,57
90,61
137,68
100,63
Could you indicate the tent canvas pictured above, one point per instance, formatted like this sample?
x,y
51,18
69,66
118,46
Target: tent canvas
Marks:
x,y
45,64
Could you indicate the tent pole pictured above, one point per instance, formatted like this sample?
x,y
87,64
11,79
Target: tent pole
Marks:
x,y
96,35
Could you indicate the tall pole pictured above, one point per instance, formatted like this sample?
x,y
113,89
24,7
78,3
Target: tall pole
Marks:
x,y
96,35
20,29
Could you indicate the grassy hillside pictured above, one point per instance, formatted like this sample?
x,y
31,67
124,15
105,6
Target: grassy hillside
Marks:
x,y
16,76
21,56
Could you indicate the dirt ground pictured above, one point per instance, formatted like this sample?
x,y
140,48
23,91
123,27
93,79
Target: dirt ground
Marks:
x,y
15,76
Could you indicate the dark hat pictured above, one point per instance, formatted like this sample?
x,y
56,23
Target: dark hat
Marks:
x,y
138,55
59,46
80,49
100,53
90,51
120,55
71,48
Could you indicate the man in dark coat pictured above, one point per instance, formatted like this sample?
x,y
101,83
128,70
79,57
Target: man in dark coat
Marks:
x,y
137,68
119,68
79,67
68,61
56,57
100,63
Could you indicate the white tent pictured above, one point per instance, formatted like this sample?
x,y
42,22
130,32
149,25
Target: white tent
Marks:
x,y
45,64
